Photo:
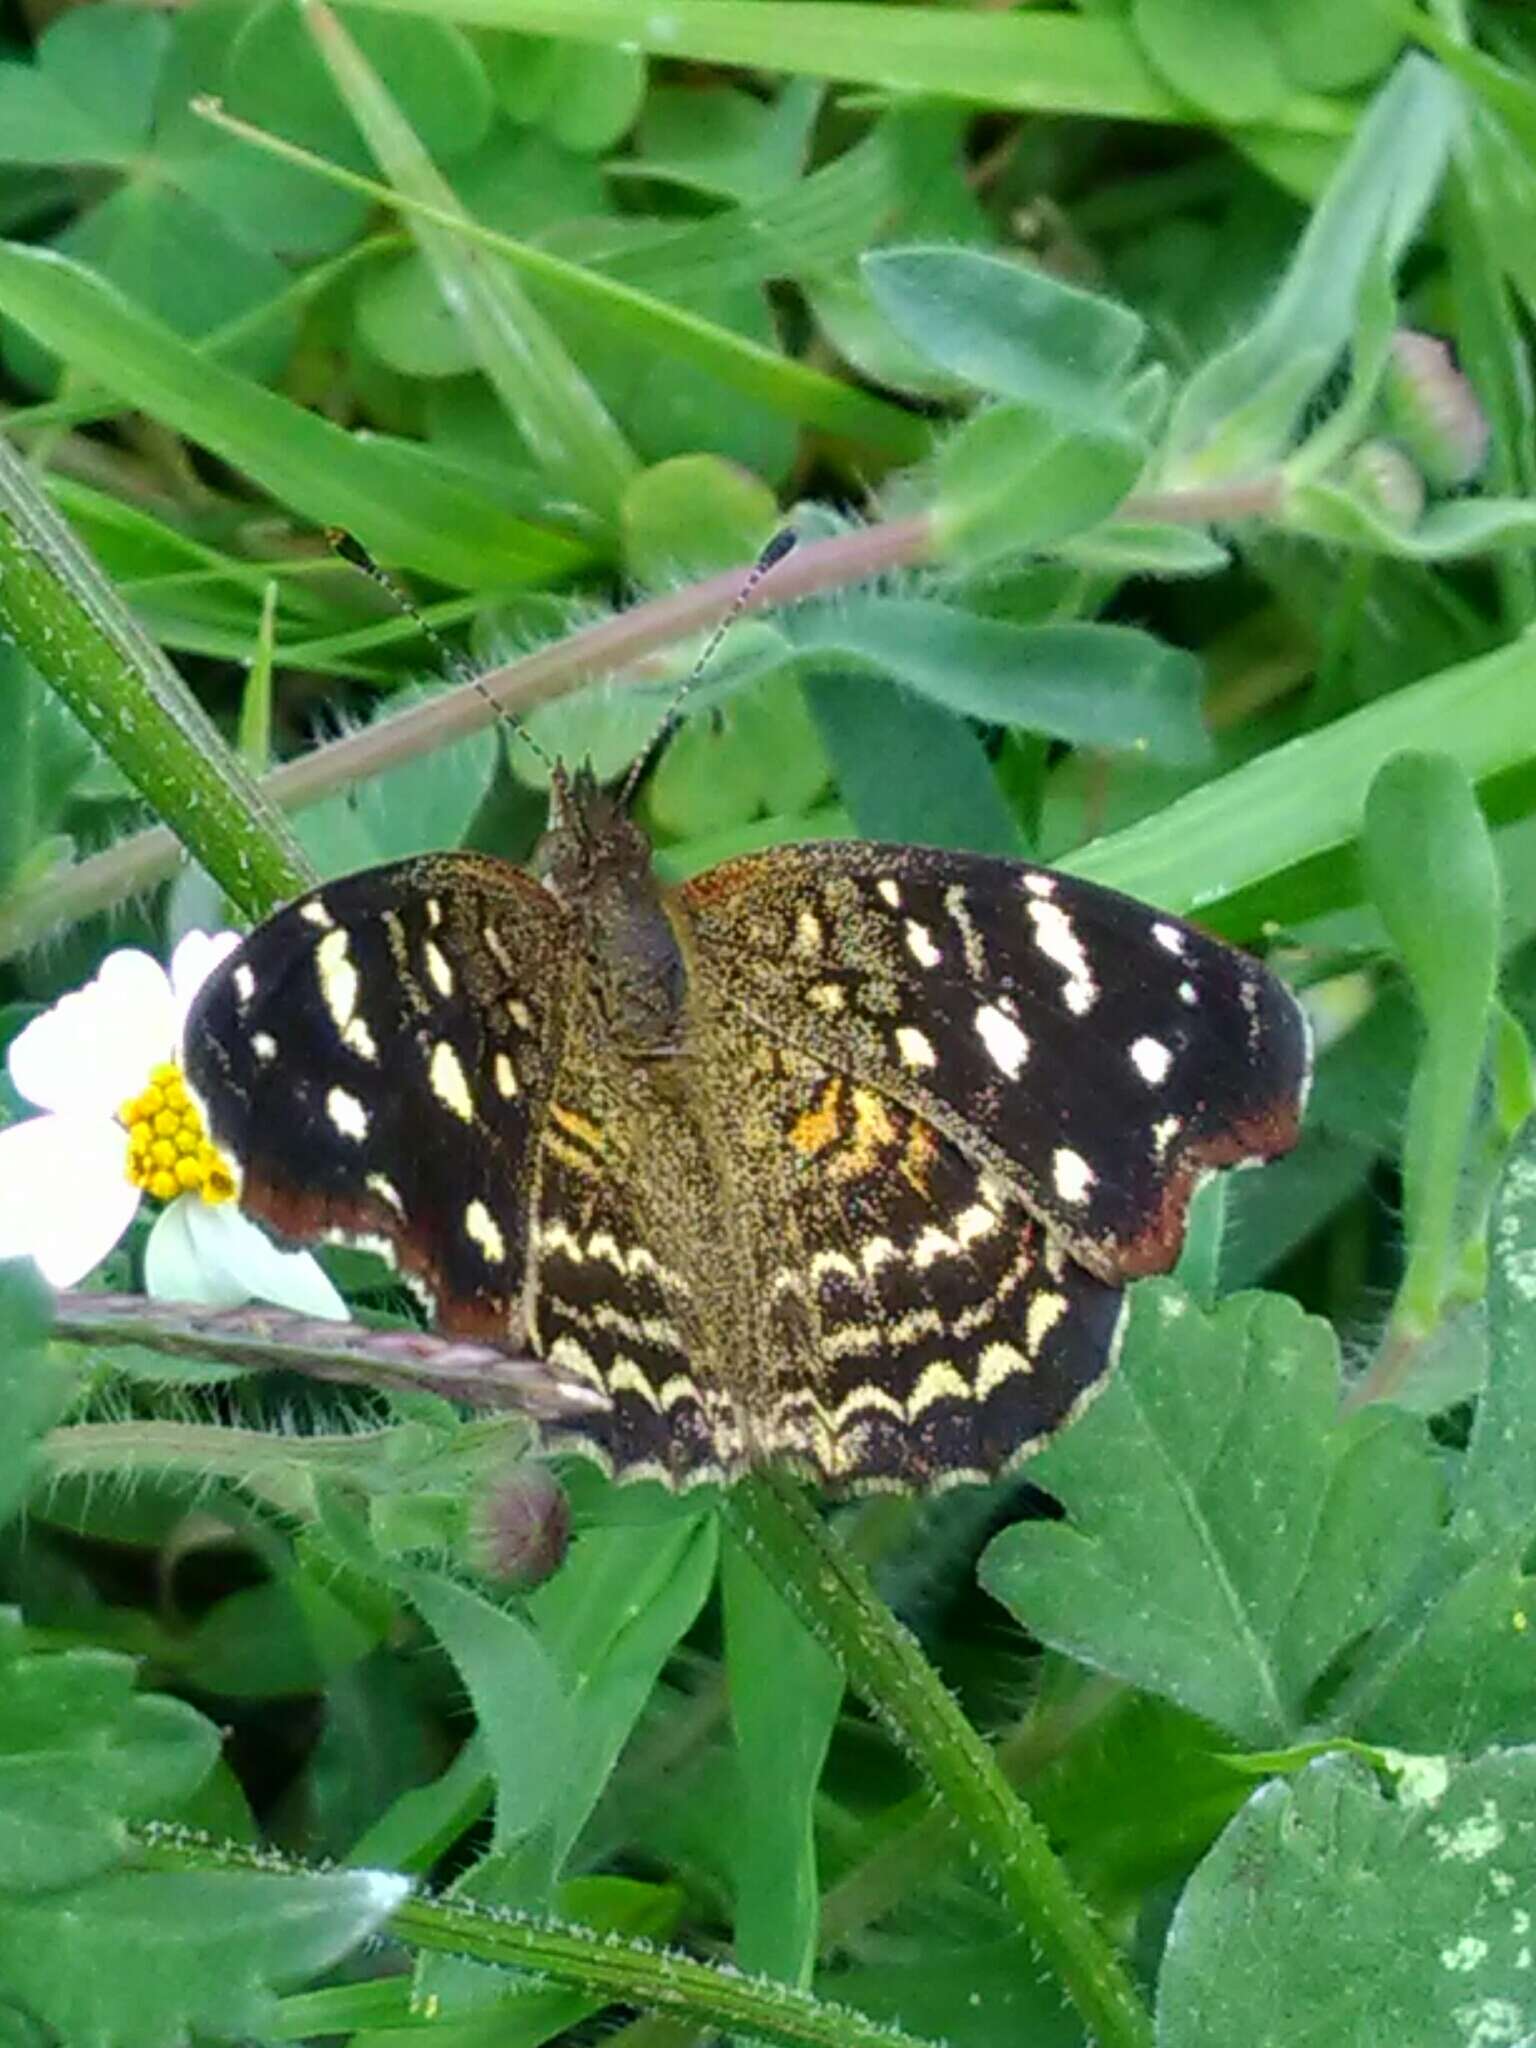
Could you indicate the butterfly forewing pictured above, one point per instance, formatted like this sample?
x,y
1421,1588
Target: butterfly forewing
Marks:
x,y
1097,1055
376,1060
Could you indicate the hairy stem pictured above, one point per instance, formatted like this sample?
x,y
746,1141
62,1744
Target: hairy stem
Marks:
x,y
605,1965
884,1664
479,1375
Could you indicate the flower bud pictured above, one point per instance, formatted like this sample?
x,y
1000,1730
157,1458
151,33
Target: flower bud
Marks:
x,y
520,1526
1384,478
1432,409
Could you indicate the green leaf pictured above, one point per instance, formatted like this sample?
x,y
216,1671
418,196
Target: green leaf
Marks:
x,y
1005,327
90,96
587,99
684,519
1421,817
1018,477
1138,547
178,263
1496,1495
1456,1671
1219,53
557,413
1328,48
1241,408
1452,1669
929,781
1329,1911
966,1993
80,1756
721,140
397,504
756,750
1227,1536
1053,61
422,806
277,81
1223,838
523,1716
31,1394
138,1959
609,1618
1099,686
1450,532
785,1694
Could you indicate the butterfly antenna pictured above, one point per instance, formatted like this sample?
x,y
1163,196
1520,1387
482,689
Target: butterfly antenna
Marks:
x,y
672,717
351,550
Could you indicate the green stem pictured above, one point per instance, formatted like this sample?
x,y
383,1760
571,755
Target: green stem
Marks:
x,y
605,1966
62,612
772,1516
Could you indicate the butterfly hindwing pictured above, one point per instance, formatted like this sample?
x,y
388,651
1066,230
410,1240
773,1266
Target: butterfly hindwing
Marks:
x,y
1098,1055
919,1327
375,1060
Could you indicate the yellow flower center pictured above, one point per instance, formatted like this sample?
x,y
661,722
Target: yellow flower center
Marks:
x,y
169,1153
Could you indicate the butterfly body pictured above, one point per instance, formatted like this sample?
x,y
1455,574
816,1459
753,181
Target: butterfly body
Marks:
x,y
840,1154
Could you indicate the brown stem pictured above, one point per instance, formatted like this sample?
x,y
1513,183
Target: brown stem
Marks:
x,y
480,1375
615,644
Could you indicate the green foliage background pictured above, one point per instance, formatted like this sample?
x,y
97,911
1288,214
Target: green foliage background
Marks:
x,y
1131,536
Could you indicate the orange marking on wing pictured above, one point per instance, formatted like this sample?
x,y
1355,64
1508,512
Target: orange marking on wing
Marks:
x,y
874,1136
922,1149
576,1126
820,1126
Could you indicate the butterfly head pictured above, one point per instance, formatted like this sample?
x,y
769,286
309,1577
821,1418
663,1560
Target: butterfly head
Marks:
x,y
596,863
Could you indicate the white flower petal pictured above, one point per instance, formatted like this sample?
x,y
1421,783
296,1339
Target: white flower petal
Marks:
x,y
65,1198
96,1046
212,1254
194,959
171,1268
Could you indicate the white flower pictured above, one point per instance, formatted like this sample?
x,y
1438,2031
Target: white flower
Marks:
x,y
117,1124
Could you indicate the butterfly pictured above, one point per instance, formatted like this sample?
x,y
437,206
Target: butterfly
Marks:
x,y
840,1155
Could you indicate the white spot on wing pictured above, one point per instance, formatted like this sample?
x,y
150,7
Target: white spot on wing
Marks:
x,y
890,891
506,1076
920,944
347,1114
1044,1313
448,1083
970,937
1056,936
360,1039
315,912
381,1185
439,973
1040,885
484,1230
245,984
1188,993
976,1222
264,1045
1072,1174
1003,1039
916,1051
1152,1060
337,976
1169,937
